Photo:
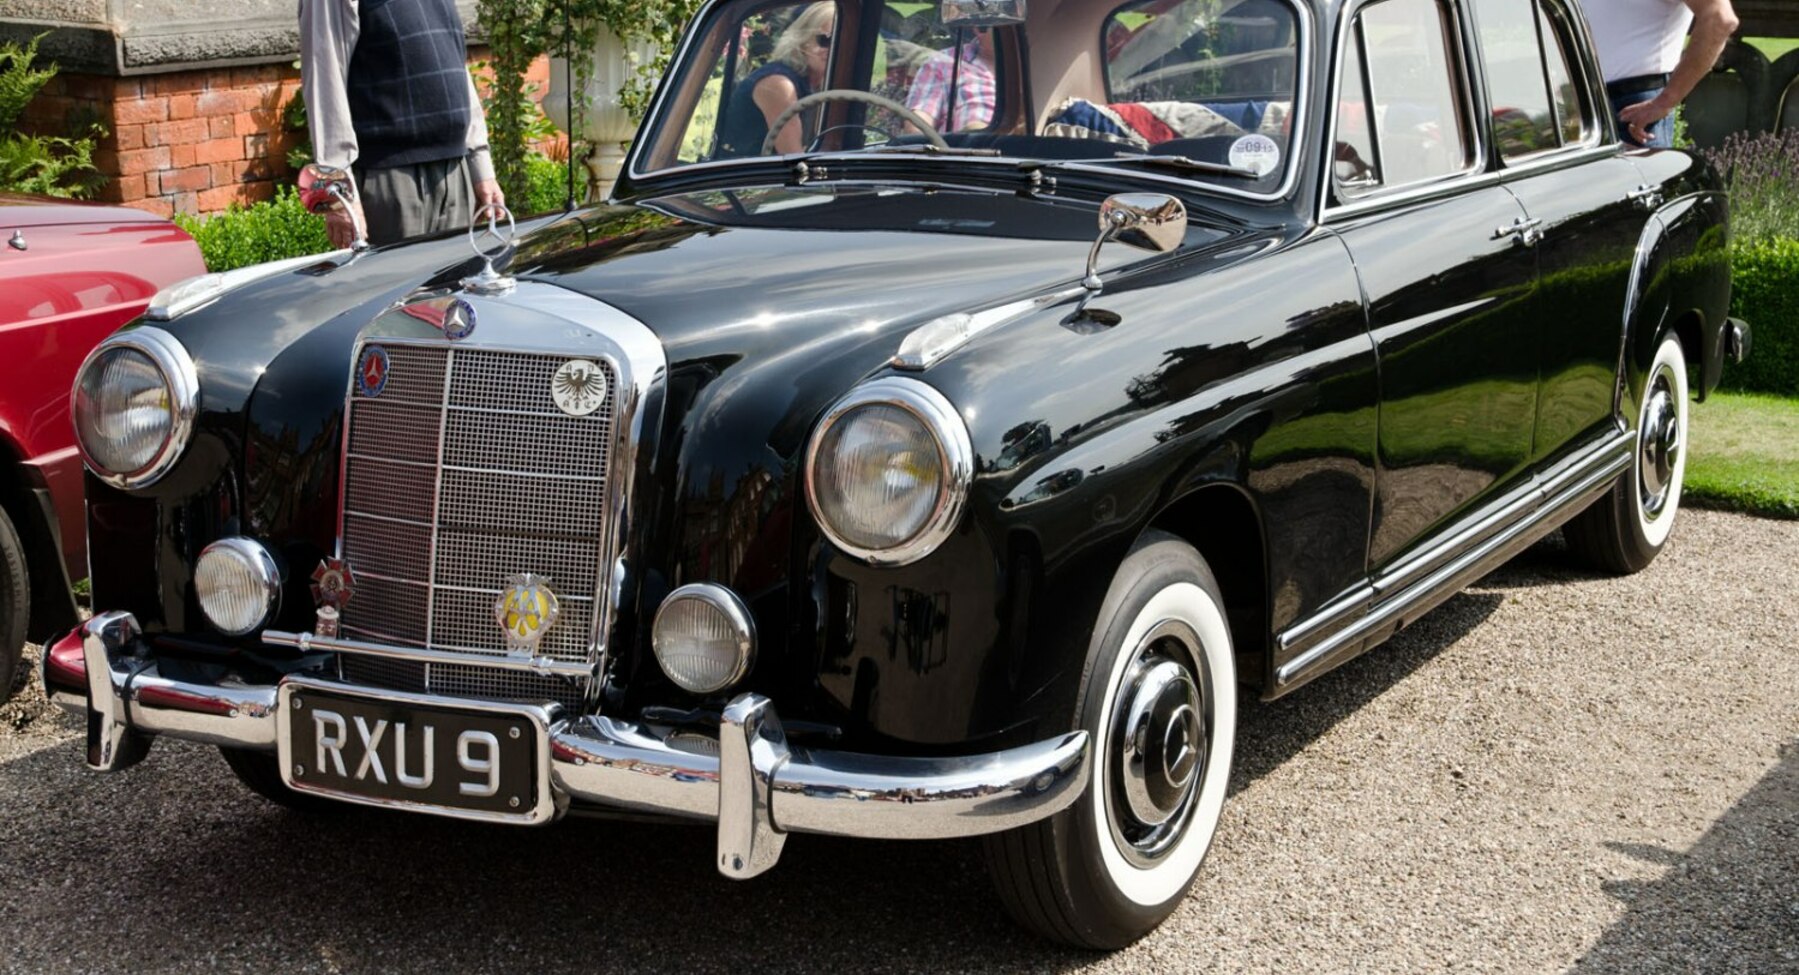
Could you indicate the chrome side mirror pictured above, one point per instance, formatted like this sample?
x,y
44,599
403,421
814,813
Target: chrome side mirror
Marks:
x,y
325,188
980,13
1152,221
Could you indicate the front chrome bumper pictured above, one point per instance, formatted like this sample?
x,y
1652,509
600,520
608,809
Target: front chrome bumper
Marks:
x,y
757,786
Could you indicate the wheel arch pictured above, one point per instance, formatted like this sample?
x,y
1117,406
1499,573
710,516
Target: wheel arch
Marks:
x,y
1223,524
26,503
1679,283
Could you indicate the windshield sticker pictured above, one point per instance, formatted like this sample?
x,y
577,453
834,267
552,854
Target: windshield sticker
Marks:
x,y
1256,153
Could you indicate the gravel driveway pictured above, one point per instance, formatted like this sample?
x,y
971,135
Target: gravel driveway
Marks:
x,y
1552,772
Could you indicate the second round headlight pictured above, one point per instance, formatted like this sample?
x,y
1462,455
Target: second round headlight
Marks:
x,y
704,638
888,471
239,585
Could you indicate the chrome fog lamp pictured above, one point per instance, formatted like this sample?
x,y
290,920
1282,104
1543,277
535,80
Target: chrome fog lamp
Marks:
x,y
704,638
888,471
239,585
133,405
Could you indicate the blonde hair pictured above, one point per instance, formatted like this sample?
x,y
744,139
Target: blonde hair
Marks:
x,y
789,48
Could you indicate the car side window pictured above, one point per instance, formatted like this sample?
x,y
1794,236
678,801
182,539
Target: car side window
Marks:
x,y
1573,112
1536,107
1399,109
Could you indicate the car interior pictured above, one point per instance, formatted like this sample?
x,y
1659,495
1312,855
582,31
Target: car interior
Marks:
x,y
1209,80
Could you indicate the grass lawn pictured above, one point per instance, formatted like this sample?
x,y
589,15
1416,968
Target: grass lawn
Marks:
x,y
1774,47
1744,454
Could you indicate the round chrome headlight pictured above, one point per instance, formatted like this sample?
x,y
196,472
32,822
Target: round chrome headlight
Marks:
x,y
704,638
133,406
239,585
888,471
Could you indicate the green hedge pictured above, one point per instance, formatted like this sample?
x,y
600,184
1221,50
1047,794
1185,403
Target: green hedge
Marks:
x,y
281,228
1765,293
270,231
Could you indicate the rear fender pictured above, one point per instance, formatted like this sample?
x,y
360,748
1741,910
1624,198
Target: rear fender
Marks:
x,y
1681,280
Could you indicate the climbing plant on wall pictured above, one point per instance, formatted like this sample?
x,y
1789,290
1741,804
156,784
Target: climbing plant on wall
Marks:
x,y
519,31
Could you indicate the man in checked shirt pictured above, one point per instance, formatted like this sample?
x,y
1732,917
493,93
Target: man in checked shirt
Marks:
x,y
966,82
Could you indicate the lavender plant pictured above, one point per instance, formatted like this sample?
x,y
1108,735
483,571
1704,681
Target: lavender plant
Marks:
x,y
1762,173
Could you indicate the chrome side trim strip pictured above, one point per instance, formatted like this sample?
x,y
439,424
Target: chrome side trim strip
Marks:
x,y
311,643
1326,619
1543,497
1519,505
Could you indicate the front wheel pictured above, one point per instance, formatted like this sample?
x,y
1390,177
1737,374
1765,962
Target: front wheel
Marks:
x,y
1159,701
1624,530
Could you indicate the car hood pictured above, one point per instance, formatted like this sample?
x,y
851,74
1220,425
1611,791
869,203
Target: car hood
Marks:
x,y
724,273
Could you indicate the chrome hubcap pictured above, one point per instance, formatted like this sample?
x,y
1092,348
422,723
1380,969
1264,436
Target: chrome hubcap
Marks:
x,y
1658,446
1159,744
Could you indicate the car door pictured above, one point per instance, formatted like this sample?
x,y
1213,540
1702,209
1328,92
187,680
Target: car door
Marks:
x,y
1446,268
1579,196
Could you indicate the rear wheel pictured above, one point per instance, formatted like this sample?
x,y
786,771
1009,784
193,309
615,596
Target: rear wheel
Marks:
x,y
261,774
15,608
1159,700
1623,531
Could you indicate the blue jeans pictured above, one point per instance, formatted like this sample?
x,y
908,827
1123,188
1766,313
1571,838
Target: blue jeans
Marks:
x,y
1661,134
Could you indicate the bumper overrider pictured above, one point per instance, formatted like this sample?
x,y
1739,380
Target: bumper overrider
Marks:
x,y
749,779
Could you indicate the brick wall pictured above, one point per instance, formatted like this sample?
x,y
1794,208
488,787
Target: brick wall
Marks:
x,y
192,142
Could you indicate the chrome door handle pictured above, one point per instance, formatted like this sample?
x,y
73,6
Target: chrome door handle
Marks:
x,y
1646,196
1528,232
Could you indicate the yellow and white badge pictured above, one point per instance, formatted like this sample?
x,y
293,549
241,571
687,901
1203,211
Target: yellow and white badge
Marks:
x,y
526,609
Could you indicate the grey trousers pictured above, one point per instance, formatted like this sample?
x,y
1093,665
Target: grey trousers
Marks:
x,y
423,198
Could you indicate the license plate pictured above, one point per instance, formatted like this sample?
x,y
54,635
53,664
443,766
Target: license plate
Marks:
x,y
388,748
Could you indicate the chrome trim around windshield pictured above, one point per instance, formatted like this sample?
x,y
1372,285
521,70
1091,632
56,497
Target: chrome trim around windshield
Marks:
x,y
955,453
179,377
1295,143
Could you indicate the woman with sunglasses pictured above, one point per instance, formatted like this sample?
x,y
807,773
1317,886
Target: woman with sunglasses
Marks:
x,y
794,70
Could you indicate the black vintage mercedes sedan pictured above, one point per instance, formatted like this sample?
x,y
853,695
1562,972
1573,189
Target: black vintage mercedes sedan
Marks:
x,y
956,409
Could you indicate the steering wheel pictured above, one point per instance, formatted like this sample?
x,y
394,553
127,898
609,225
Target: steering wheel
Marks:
x,y
819,139
779,125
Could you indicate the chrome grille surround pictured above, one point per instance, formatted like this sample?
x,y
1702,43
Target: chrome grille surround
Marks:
x,y
512,485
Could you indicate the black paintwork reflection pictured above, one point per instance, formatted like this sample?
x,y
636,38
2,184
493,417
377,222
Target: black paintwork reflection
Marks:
x,y
1270,365
1450,310
1590,233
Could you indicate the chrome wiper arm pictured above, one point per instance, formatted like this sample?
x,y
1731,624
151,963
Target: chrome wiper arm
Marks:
x,y
924,147
1184,164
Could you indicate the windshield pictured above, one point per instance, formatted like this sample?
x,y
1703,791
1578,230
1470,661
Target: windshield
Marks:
x,y
1185,81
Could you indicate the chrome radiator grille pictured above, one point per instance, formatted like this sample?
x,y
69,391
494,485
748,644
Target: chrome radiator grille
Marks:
x,y
459,474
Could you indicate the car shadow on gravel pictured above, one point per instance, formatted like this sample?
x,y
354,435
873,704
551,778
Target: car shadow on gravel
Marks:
x,y
1729,904
1271,732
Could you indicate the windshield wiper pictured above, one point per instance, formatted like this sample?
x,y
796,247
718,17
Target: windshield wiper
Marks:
x,y
926,148
1184,164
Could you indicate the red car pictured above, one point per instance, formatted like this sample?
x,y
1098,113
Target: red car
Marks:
x,y
70,274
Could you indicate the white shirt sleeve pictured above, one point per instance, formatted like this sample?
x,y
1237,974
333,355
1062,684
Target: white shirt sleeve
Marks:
x,y
480,161
328,32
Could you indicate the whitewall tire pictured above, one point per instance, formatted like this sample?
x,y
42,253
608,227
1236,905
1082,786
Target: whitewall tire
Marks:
x,y
1159,699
